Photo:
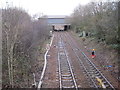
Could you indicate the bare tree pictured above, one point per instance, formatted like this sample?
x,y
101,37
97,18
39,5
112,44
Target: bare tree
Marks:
x,y
99,18
21,38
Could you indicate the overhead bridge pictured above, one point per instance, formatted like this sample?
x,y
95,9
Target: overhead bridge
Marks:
x,y
57,23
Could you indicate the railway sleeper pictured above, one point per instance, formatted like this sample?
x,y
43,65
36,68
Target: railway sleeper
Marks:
x,y
63,61
62,57
65,70
94,69
65,66
97,74
91,65
66,75
67,83
62,54
104,82
68,86
67,78
89,72
107,86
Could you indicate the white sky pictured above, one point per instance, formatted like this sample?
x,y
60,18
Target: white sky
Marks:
x,y
47,7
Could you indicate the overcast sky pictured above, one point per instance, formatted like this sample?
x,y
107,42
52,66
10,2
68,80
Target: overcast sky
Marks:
x,y
47,7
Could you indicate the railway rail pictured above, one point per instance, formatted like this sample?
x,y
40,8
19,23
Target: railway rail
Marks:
x,y
66,74
96,78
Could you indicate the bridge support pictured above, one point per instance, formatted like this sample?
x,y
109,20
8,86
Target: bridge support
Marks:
x,y
66,27
53,27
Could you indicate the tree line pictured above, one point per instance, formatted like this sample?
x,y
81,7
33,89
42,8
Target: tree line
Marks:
x,y
22,39
100,20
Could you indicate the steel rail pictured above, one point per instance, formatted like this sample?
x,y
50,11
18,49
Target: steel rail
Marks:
x,y
59,69
98,70
69,66
94,66
71,69
89,61
81,63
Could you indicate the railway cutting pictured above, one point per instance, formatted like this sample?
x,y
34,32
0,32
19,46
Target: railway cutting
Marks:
x,y
69,67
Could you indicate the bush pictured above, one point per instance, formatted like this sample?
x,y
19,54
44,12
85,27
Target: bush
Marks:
x,y
115,46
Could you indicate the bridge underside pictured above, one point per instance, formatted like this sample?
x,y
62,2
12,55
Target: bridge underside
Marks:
x,y
60,27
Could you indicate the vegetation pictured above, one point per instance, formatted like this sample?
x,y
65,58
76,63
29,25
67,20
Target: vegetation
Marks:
x,y
22,40
100,20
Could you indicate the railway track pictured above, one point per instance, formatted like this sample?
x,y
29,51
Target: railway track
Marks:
x,y
66,76
65,72
95,77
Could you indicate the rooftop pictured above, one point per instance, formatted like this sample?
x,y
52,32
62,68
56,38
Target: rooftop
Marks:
x,y
54,16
